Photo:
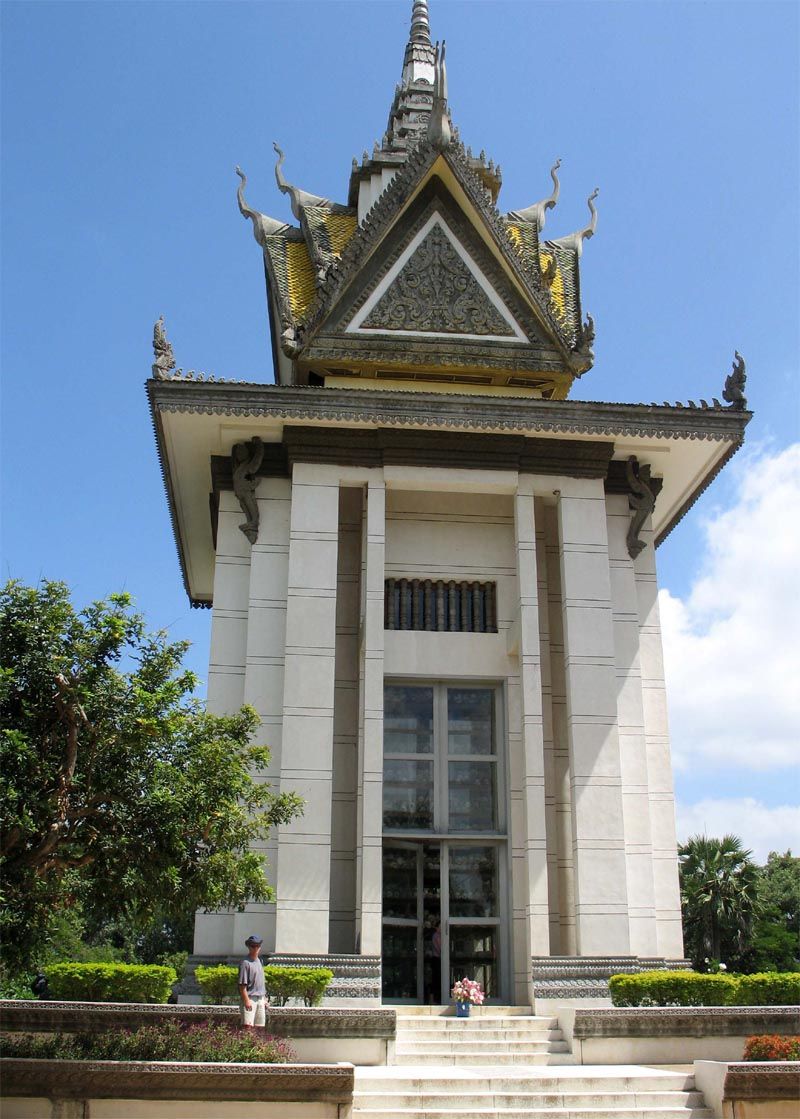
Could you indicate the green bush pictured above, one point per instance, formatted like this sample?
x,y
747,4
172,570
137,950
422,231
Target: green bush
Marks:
x,y
769,988
164,1041
95,982
218,984
306,983
672,988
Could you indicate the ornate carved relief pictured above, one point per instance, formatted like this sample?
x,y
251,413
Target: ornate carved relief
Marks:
x,y
436,292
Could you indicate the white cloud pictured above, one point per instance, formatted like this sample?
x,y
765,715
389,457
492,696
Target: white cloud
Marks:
x,y
760,829
731,646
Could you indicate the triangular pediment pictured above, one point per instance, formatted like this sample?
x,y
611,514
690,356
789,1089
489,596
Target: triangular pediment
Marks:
x,y
436,288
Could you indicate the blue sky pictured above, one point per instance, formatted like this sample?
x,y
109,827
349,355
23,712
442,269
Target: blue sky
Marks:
x,y
122,124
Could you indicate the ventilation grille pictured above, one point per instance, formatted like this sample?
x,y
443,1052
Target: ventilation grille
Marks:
x,y
440,606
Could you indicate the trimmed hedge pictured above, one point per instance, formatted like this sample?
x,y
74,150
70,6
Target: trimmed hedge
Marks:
x,y
163,1041
772,1047
671,988
111,982
690,988
769,988
219,984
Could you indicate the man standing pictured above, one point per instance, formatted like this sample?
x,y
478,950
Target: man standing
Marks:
x,y
252,990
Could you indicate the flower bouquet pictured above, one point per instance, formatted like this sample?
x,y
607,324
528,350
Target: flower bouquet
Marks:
x,y
466,992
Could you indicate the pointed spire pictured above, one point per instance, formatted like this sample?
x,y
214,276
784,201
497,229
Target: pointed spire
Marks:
x,y
418,59
420,24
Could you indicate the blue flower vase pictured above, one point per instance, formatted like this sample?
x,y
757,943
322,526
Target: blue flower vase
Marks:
x,y
462,1009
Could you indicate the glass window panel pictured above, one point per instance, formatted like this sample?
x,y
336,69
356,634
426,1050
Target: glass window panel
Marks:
x,y
473,954
470,720
407,720
471,796
473,881
407,794
399,882
399,963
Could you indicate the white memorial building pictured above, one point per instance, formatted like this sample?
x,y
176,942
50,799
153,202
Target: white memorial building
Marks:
x,y
433,575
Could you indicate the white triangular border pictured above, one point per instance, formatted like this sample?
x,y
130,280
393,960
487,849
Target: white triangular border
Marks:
x,y
355,327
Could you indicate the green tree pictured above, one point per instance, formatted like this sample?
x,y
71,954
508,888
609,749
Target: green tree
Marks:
x,y
719,898
120,793
775,943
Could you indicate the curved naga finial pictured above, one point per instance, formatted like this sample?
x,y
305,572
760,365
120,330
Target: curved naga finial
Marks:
x,y
641,500
298,198
575,240
262,225
537,213
734,384
162,349
439,131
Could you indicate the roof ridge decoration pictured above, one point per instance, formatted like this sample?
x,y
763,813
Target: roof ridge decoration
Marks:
x,y
298,198
575,240
263,226
440,133
537,213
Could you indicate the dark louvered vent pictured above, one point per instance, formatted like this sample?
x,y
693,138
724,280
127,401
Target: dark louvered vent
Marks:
x,y
440,606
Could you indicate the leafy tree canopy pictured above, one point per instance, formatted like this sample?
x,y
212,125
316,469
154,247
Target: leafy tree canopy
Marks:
x,y
119,791
719,898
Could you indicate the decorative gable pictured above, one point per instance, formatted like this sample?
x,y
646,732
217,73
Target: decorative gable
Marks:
x,y
437,288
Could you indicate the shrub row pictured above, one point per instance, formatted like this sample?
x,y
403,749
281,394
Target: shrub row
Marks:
x,y
163,1041
111,982
772,1047
219,984
689,988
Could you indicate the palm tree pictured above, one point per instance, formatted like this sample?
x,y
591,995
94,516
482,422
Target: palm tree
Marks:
x,y
719,895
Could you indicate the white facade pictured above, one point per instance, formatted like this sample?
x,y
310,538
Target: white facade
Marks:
x,y
584,816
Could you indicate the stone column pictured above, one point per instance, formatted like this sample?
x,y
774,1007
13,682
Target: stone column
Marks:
x,y
534,889
598,838
369,881
633,749
264,675
303,886
669,928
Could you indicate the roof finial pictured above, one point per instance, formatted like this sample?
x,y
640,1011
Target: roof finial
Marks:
x,y
420,25
298,198
439,132
537,213
575,240
262,225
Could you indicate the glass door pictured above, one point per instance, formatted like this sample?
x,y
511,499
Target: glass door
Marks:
x,y
441,919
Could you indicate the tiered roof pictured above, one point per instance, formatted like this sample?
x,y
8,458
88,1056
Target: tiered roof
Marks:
x,y
314,265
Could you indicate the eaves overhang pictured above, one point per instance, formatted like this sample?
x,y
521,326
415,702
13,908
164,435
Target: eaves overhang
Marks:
x,y
702,438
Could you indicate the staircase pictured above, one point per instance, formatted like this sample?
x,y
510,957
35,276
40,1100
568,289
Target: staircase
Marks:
x,y
607,1092
498,1064
498,1037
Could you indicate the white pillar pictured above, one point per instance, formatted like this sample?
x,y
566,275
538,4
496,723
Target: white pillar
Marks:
x,y
370,755
535,878
303,886
669,928
633,748
598,840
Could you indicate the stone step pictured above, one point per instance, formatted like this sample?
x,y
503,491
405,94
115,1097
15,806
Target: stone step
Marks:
x,y
643,1112
469,1025
410,1082
469,1057
449,1011
477,1045
483,1101
511,1037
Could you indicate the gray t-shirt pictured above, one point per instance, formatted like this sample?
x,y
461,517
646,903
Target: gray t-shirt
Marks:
x,y
251,977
